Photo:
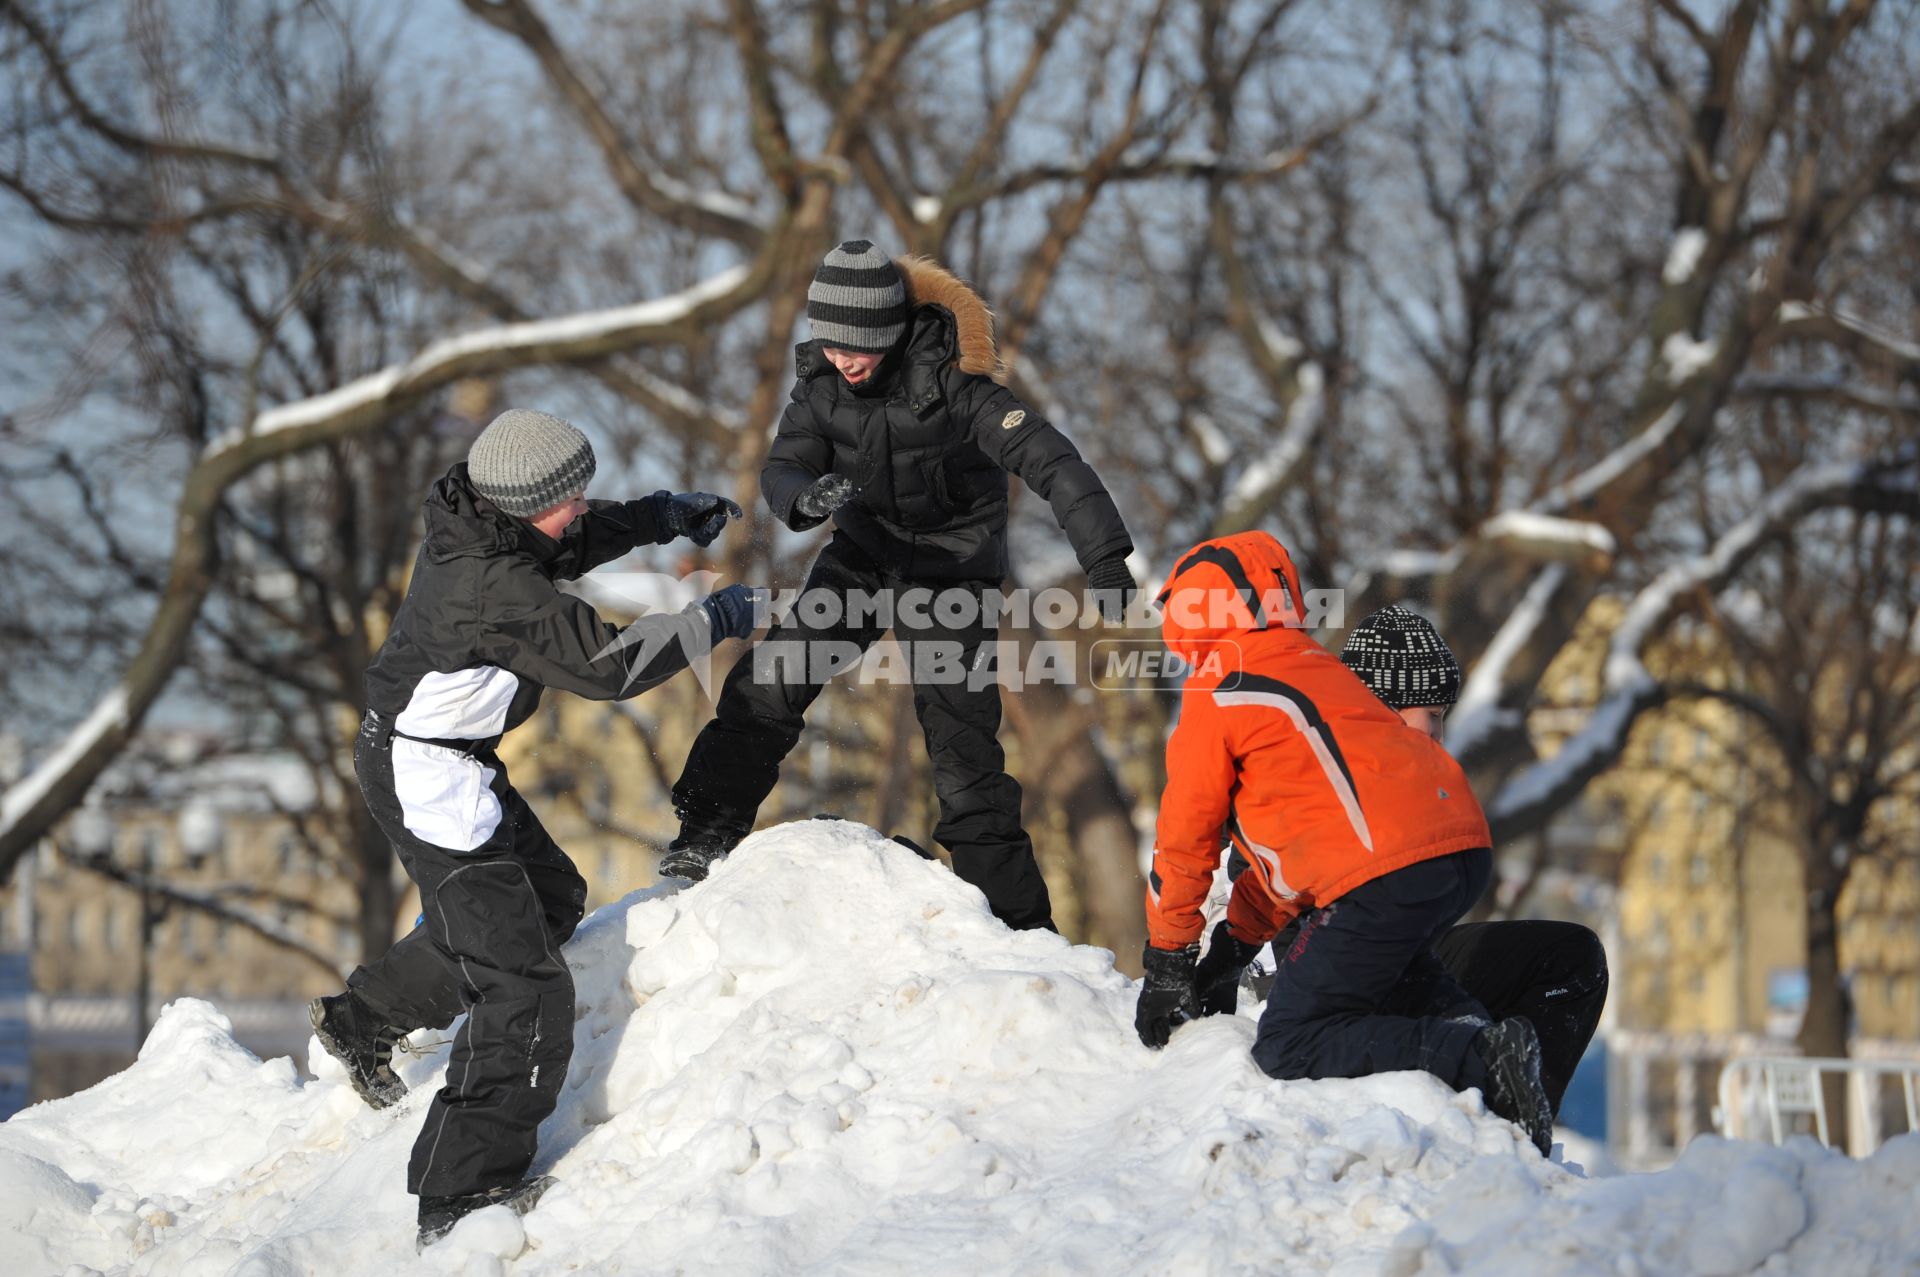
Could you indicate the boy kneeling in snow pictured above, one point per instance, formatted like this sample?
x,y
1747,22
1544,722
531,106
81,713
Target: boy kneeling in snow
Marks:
x,y
1347,817
1550,972
482,631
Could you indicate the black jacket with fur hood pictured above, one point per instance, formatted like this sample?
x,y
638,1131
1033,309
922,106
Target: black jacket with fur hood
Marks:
x,y
929,441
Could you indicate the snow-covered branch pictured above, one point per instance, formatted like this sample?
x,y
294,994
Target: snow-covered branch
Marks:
x,y
1865,341
566,339
1479,714
1260,484
1602,474
1545,538
1629,689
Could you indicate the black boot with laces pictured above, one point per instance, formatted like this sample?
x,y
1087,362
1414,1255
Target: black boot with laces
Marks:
x,y
363,1043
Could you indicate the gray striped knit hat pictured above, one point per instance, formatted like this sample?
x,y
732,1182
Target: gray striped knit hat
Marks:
x,y
527,461
857,300
1403,659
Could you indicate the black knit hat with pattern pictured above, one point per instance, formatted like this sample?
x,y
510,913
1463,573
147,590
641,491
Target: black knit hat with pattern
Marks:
x,y
1403,659
858,300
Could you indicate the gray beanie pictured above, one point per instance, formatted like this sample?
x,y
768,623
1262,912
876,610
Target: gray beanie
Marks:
x,y
857,300
1403,659
527,461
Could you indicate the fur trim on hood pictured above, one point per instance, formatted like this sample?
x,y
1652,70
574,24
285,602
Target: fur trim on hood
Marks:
x,y
928,282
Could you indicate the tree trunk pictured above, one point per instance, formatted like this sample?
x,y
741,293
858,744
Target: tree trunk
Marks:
x,y
1823,1032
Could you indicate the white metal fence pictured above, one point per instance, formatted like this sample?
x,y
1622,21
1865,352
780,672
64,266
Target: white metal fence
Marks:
x,y
1775,1097
1664,1089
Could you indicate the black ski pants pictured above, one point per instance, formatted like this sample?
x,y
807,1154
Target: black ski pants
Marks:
x,y
496,917
1357,988
1553,973
735,761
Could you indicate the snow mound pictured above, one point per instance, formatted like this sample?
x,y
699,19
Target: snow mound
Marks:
x,y
829,1058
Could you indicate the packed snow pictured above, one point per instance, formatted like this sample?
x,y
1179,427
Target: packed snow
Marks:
x,y
829,1058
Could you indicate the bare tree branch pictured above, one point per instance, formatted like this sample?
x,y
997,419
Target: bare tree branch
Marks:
x,y
713,213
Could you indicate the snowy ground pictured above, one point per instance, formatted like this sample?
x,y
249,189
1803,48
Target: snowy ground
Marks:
x,y
829,1058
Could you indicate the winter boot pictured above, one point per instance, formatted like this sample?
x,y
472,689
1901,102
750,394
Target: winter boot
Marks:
x,y
1511,1053
352,1034
692,855
438,1215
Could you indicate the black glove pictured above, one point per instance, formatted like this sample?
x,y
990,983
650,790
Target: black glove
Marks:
x,y
734,611
697,516
1216,979
826,494
1166,994
1113,588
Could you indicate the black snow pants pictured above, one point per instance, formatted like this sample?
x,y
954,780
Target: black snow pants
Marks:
x,y
1357,988
735,761
496,917
1553,973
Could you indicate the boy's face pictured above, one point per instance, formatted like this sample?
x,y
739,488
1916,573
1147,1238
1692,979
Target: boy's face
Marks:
x,y
1431,719
555,520
853,365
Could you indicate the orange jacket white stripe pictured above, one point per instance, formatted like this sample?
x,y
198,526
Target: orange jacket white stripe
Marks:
x,y
1282,749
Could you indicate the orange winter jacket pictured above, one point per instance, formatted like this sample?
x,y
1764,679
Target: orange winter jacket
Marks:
x,y
1284,750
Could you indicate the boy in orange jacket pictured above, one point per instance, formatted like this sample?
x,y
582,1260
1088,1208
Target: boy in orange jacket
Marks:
x,y
1351,820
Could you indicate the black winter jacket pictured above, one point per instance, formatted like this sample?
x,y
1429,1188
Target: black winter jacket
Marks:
x,y
930,443
483,628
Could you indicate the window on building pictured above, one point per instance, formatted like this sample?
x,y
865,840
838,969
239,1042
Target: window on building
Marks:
x,y
1699,924
1699,869
288,852
1656,809
1657,865
222,936
1697,982
1700,744
76,928
606,866
1702,804
189,934
113,921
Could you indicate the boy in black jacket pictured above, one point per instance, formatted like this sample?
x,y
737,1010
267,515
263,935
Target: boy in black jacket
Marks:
x,y
482,631
898,433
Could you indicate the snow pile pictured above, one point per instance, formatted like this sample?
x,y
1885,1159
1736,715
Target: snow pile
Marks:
x,y
829,1058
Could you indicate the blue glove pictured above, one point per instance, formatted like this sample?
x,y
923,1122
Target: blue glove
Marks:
x,y
698,516
735,611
